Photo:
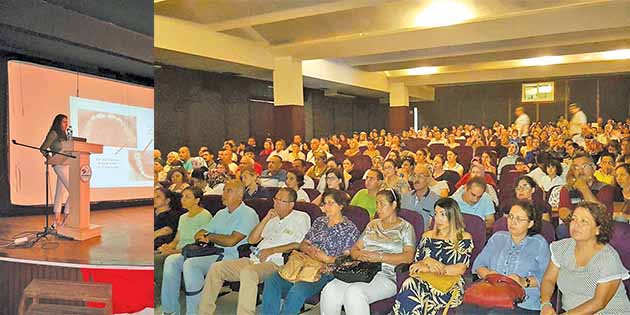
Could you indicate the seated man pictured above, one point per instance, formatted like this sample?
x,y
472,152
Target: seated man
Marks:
x,y
228,229
421,199
582,186
300,166
280,231
274,175
366,197
476,169
472,200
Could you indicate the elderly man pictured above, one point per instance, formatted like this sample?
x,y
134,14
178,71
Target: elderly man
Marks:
x,y
472,200
184,155
366,197
281,230
421,199
157,156
274,175
315,147
229,229
226,161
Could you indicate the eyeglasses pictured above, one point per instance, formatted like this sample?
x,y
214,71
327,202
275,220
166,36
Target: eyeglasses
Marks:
x,y
523,187
280,200
581,167
517,219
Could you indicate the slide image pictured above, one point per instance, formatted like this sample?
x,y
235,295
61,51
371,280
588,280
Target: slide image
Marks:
x,y
114,130
141,163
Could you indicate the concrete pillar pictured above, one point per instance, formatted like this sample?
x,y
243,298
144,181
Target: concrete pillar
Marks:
x,y
288,94
399,117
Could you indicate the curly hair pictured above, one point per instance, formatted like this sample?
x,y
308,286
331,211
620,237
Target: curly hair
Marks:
x,y
603,219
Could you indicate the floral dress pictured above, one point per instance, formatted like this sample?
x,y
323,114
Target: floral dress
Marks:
x,y
419,297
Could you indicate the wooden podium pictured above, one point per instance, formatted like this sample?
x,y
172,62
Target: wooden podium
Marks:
x,y
77,225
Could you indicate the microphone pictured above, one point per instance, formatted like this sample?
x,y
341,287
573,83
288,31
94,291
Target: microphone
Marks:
x,y
69,133
14,142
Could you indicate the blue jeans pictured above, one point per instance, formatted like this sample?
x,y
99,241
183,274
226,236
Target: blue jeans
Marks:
x,y
194,271
294,294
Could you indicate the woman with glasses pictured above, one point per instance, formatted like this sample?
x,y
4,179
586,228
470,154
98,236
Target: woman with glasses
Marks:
x,y
524,191
586,269
521,253
332,179
392,179
330,236
389,240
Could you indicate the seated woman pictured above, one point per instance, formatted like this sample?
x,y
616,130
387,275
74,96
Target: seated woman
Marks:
x,y
422,156
552,177
252,188
587,270
316,171
295,181
406,168
349,172
189,223
451,163
332,179
521,254
488,164
167,209
444,250
524,191
387,239
330,236
353,150
622,177
178,177
392,179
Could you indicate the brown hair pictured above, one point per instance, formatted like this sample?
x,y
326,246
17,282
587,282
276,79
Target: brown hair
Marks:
x,y
603,219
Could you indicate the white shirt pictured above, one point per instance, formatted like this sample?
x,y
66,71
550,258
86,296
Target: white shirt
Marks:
x,y
311,158
522,123
536,175
547,183
576,123
308,183
284,155
302,196
276,232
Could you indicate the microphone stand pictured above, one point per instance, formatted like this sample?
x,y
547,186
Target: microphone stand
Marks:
x,y
47,230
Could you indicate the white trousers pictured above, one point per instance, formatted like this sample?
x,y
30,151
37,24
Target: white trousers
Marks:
x,y
63,183
355,297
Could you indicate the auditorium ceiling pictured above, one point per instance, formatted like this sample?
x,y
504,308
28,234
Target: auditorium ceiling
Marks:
x,y
361,47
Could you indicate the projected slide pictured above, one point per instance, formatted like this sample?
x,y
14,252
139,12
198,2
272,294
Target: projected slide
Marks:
x,y
126,132
116,114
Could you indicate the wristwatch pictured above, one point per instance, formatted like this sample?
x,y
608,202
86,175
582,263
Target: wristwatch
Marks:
x,y
527,282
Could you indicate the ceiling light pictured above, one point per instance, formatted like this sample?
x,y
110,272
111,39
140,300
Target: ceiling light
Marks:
x,y
422,70
542,61
616,54
443,13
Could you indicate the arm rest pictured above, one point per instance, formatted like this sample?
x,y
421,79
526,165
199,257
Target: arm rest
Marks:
x,y
402,273
285,256
402,268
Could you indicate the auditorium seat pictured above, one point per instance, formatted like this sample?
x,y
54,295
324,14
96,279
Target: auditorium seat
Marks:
x,y
437,148
464,154
548,231
261,205
311,192
355,187
212,203
311,209
362,163
619,240
383,150
477,228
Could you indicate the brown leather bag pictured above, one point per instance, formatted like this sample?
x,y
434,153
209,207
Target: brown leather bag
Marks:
x,y
495,291
301,267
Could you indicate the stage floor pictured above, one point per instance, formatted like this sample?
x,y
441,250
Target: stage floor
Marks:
x,y
126,240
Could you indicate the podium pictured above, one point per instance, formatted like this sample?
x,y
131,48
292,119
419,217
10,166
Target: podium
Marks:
x,y
77,225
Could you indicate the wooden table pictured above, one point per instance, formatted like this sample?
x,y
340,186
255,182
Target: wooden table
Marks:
x,y
84,292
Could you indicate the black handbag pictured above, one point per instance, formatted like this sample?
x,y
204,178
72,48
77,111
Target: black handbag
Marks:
x,y
350,270
200,249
